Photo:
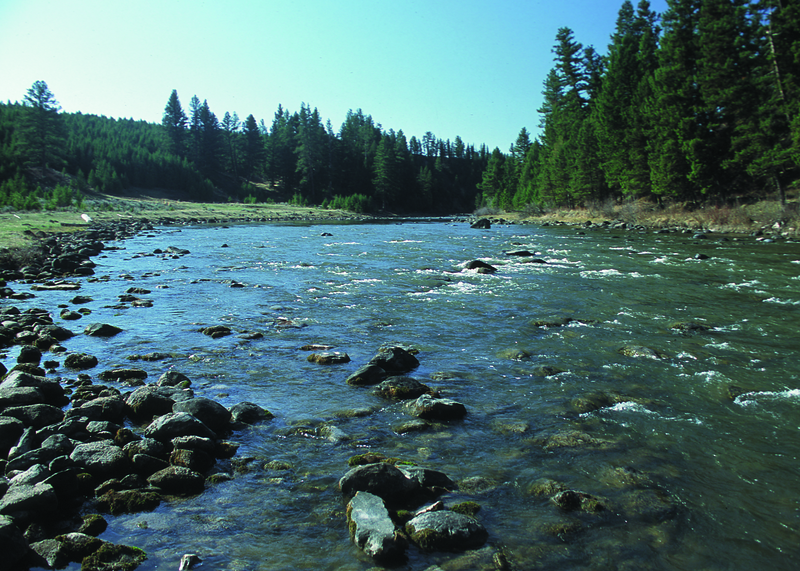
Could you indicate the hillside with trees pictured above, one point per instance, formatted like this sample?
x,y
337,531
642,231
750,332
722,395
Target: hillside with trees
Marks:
x,y
362,167
700,105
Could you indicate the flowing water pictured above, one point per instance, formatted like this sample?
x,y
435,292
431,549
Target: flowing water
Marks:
x,y
690,477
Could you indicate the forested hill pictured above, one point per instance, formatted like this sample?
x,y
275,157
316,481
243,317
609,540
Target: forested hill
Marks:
x,y
699,104
362,167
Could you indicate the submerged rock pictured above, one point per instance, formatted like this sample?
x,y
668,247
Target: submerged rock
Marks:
x,y
328,358
402,388
640,351
101,330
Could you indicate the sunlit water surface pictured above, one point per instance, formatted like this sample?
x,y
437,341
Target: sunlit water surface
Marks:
x,y
728,468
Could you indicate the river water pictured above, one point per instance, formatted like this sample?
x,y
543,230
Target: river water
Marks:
x,y
690,478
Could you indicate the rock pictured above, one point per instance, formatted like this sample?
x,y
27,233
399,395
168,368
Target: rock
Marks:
x,y
28,354
173,379
13,544
217,331
249,413
651,505
328,358
195,460
93,524
128,502
70,315
101,330
209,412
123,375
446,531
572,500
19,396
367,375
402,388
640,351
689,326
103,458
188,561
80,361
111,409
10,431
177,480
428,478
372,530
36,415
53,391
111,557
383,480
169,426
481,224
430,408
39,499
412,426
482,267
522,253
150,400
395,360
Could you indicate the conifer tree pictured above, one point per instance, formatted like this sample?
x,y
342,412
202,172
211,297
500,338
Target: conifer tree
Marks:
x,y
42,129
174,121
253,147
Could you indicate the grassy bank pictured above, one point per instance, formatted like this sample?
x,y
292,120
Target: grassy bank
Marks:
x,y
22,228
767,216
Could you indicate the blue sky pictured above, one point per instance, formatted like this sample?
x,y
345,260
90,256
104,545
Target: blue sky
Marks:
x,y
467,68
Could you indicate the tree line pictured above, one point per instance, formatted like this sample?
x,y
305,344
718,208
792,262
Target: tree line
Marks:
x,y
699,104
361,167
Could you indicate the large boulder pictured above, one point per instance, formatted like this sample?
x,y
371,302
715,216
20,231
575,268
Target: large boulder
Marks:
x,y
446,531
36,415
175,424
10,431
383,480
52,390
395,360
28,500
372,529
209,412
103,458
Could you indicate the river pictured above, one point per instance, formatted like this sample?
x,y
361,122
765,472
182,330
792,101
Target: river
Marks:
x,y
690,477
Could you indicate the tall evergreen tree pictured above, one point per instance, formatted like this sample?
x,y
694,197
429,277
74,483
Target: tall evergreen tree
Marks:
x,y
174,121
230,126
253,147
42,129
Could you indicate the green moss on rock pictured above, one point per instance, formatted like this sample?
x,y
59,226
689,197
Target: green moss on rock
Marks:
x,y
112,557
466,508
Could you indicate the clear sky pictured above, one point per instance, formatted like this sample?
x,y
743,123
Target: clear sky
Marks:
x,y
453,67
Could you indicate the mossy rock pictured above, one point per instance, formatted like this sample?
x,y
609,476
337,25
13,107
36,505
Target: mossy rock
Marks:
x,y
128,501
112,557
546,487
366,458
93,524
466,508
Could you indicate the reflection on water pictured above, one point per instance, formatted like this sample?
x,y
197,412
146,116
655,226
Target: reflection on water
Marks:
x,y
533,351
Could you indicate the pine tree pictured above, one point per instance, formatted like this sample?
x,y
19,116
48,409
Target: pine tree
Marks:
x,y
230,126
42,129
253,147
174,121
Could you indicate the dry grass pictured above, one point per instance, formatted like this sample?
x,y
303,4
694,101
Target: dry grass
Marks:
x,y
768,216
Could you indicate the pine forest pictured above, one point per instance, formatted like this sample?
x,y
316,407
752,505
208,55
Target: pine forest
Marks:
x,y
698,105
